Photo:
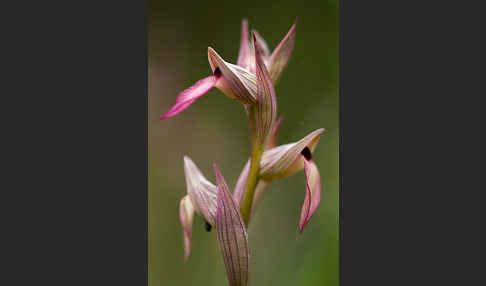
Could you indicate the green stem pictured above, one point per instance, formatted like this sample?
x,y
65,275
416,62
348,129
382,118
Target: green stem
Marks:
x,y
256,154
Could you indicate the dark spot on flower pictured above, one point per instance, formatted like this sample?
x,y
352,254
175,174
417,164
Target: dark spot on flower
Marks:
x,y
306,153
207,226
217,72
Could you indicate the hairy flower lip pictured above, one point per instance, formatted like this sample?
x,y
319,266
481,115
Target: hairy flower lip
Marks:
x,y
312,195
191,94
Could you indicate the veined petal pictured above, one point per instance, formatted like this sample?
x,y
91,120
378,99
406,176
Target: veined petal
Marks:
x,y
240,187
263,45
188,96
186,215
312,192
266,108
281,55
236,82
244,53
272,142
282,161
232,235
202,192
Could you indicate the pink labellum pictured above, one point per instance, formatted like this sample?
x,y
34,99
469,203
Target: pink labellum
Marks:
x,y
232,235
188,96
312,192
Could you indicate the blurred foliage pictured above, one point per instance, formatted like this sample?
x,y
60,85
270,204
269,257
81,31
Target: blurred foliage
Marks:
x,y
215,130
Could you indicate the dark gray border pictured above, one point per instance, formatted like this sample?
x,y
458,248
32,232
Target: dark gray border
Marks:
x,y
76,160
406,210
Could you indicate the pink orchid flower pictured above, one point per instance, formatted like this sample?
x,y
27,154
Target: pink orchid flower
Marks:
x,y
217,206
238,81
283,161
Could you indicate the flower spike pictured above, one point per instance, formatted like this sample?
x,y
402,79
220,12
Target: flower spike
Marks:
x,y
232,235
266,101
281,55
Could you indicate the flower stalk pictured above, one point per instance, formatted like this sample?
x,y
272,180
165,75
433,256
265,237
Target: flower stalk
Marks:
x,y
256,154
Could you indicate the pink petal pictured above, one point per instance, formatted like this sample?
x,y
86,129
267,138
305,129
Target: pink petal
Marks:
x,y
188,96
312,192
244,52
232,235
281,55
266,108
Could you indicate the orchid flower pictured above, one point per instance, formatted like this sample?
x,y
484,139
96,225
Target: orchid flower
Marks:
x,y
283,161
217,206
238,81
201,198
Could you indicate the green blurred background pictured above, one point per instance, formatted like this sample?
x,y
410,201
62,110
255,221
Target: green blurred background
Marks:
x,y
215,130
